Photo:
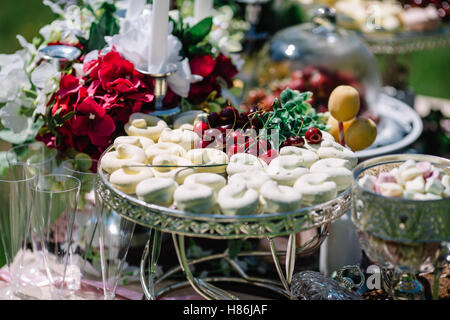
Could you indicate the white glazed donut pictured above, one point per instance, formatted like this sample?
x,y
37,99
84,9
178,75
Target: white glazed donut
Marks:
x,y
140,142
124,154
212,180
194,198
277,198
126,179
308,156
164,148
315,188
244,162
339,171
253,179
158,191
180,170
330,149
208,156
184,138
144,125
187,117
236,199
285,170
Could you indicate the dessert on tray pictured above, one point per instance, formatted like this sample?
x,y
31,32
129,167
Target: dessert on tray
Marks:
x,y
237,163
411,180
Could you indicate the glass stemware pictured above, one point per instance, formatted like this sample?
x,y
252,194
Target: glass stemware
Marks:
x,y
86,233
16,197
43,158
56,199
35,153
115,234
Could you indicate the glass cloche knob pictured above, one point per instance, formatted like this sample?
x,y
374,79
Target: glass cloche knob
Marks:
x,y
324,15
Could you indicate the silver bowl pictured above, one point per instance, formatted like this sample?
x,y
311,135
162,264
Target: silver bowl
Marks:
x,y
405,235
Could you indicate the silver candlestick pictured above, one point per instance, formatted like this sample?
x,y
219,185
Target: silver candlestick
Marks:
x,y
160,89
60,53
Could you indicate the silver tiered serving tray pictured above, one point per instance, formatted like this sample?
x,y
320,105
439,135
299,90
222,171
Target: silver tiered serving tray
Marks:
x,y
406,236
214,226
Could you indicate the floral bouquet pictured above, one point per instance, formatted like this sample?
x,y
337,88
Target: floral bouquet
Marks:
x,y
82,105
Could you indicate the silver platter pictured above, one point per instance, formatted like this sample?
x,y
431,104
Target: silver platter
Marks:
x,y
216,226
400,126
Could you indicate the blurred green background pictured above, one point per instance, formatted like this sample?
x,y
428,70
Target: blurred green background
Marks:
x,y
429,70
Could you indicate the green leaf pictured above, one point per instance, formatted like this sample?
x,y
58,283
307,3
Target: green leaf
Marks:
x,y
199,31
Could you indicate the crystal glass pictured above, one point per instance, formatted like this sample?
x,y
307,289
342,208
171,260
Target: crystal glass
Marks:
x,y
16,198
404,235
85,235
44,158
115,234
56,199
35,153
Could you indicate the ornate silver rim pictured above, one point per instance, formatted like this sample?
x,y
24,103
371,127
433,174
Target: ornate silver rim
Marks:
x,y
219,226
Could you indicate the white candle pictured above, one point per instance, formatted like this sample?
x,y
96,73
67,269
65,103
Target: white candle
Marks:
x,y
135,7
202,9
159,31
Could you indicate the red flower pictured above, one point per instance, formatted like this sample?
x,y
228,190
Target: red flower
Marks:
x,y
202,65
92,120
225,69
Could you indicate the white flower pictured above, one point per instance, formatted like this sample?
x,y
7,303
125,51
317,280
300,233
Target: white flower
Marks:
x,y
45,78
11,117
133,42
13,77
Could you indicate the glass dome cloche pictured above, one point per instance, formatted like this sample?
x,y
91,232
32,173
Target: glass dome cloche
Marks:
x,y
316,57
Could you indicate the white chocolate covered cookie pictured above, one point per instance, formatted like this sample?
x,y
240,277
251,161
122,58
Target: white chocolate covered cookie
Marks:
x,y
277,198
243,162
157,191
315,188
339,171
216,159
123,155
237,199
252,179
144,125
126,179
140,142
184,138
212,180
331,149
285,170
194,198
308,156
173,167
164,148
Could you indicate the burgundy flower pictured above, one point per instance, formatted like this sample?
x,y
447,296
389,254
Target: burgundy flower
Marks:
x,y
225,69
91,119
202,65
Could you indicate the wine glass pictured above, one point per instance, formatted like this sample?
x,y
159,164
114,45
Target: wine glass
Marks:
x,y
115,234
56,199
16,198
86,231
43,158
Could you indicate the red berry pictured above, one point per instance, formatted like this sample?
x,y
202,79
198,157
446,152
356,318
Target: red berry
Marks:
x,y
235,148
296,141
269,155
229,114
214,120
235,137
313,135
201,144
200,127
